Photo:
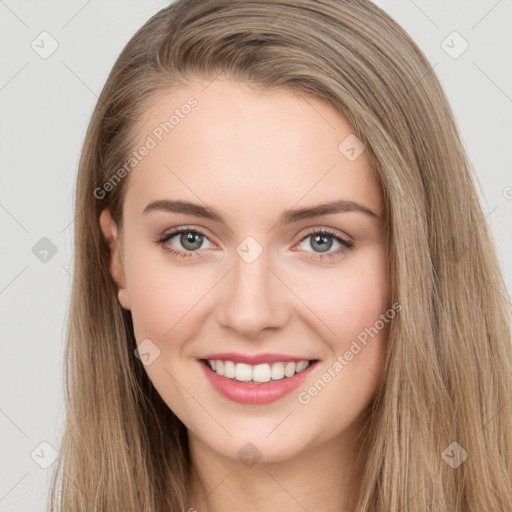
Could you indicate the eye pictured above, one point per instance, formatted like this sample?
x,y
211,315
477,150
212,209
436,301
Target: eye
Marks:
x,y
191,241
322,240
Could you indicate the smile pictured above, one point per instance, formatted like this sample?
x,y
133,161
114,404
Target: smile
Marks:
x,y
258,373
253,384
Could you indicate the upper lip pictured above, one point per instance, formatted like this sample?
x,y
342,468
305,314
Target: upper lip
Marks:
x,y
253,359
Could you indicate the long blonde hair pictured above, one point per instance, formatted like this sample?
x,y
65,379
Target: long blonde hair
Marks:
x,y
447,376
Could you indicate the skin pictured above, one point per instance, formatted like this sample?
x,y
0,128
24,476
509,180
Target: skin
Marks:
x,y
252,155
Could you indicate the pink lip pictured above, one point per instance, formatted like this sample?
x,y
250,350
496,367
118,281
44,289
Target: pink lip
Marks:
x,y
248,393
253,359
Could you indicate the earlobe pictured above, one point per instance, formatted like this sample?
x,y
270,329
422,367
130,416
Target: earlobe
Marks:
x,y
109,230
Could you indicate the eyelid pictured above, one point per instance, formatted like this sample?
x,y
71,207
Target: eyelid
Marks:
x,y
305,233
345,241
180,229
346,244
330,231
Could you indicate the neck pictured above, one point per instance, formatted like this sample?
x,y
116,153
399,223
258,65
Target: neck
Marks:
x,y
328,474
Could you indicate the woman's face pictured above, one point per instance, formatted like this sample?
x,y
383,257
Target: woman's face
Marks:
x,y
264,272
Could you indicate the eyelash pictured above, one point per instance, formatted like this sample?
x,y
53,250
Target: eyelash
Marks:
x,y
346,244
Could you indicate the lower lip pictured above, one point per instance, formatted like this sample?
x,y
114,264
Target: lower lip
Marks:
x,y
247,393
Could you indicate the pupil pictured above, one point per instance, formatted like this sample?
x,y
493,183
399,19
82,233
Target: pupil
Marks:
x,y
325,242
195,239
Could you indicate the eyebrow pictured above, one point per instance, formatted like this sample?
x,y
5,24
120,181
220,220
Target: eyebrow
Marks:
x,y
287,217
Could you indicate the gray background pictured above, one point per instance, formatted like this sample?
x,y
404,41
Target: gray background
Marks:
x,y
45,107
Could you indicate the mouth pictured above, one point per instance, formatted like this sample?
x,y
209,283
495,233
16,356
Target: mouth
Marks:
x,y
262,373
256,384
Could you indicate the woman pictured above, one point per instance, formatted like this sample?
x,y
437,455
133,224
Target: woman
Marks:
x,y
286,293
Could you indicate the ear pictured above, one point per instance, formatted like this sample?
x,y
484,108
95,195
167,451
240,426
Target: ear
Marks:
x,y
109,230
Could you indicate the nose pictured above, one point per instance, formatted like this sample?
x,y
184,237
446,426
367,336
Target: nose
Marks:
x,y
253,298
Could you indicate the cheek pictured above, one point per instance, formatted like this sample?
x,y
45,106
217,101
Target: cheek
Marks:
x,y
351,298
162,295
347,380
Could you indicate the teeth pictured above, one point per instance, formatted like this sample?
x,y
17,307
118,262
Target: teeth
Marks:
x,y
289,369
302,365
243,372
229,369
261,373
258,373
277,371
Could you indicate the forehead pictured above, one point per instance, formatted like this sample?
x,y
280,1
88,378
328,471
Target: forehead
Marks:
x,y
220,139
